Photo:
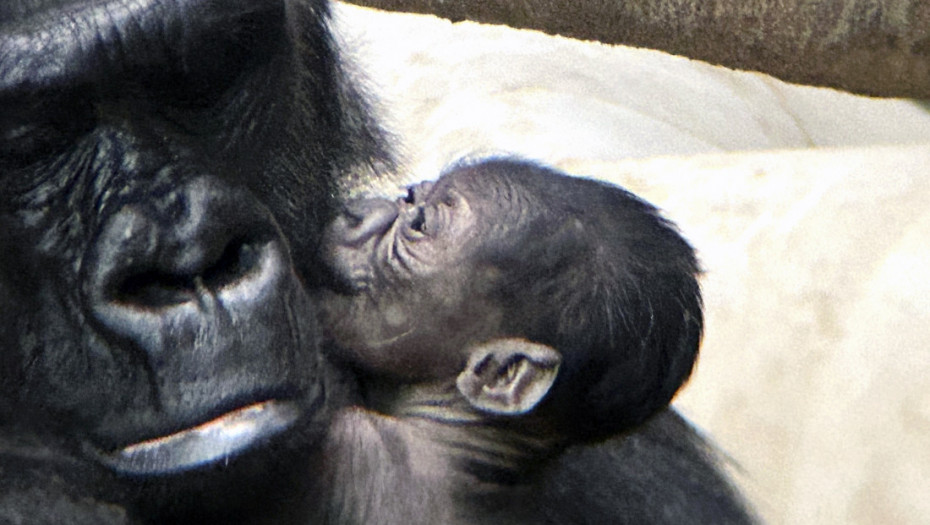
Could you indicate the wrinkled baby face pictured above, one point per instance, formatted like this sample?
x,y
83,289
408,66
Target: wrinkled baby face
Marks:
x,y
414,295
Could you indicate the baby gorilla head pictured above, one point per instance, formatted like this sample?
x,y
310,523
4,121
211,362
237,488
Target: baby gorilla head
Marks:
x,y
532,286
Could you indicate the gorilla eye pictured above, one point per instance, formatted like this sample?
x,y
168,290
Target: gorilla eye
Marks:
x,y
39,126
409,198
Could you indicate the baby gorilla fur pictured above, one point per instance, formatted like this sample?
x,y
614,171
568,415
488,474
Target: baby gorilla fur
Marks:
x,y
504,250
497,316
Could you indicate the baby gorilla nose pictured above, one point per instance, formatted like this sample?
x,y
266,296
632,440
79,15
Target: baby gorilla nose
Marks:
x,y
363,219
350,239
417,193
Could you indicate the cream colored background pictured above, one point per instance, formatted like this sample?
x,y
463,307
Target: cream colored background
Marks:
x,y
810,209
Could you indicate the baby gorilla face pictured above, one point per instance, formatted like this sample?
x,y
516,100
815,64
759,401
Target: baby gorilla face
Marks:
x,y
412,294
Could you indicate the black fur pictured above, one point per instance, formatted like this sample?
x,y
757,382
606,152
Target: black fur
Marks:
x,y
598,274
162,163
165,170
574,288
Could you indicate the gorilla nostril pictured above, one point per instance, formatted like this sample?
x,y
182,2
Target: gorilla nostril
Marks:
x,y
159,289
155,290
238,260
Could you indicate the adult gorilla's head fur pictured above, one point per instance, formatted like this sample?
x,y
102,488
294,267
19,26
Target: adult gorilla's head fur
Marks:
x,y
596,273
165,171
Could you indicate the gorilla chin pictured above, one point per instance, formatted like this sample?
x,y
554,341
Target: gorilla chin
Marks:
x,y
192,448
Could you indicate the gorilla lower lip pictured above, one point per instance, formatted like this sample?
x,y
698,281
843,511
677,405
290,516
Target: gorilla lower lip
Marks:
x,y
220,438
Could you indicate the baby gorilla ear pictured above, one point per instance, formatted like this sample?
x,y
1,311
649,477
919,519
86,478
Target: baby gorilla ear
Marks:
x,y
508,376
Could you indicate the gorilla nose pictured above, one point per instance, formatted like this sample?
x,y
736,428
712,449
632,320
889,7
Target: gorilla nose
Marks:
x,y
417,193
154,288
199,246
363,219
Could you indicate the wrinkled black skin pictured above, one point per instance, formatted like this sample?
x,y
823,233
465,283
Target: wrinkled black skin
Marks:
x,y
209,131
165,167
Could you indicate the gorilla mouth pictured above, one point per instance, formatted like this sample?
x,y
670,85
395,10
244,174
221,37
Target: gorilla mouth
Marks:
x,y
195,447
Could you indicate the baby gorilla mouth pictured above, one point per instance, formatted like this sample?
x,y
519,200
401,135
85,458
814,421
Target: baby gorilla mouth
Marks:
x,y
223,437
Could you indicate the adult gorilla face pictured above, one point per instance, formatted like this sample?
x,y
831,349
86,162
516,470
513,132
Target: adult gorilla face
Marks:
x,y
162,164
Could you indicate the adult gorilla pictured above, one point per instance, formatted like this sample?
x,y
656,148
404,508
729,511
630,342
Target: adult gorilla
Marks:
x,y
165,167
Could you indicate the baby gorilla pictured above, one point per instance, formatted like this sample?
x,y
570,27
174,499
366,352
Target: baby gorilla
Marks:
x,y
497,316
